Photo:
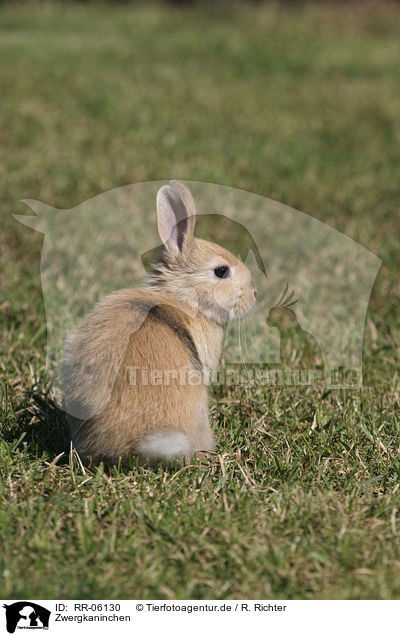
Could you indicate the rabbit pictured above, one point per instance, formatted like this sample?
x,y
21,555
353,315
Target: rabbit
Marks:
x,y
135,371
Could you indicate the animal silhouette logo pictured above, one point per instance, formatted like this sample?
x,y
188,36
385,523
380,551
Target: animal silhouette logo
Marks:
x,y
110,242
298,347
26,615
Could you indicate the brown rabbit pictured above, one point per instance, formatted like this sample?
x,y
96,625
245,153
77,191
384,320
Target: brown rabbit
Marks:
x,y
135,371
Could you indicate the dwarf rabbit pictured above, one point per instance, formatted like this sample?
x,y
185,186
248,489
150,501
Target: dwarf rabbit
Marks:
x,y
135,370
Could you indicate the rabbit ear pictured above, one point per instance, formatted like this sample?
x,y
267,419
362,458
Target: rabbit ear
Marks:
x,y
185,195
176,216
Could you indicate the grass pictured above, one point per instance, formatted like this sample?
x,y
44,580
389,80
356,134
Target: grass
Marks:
x,y
300,105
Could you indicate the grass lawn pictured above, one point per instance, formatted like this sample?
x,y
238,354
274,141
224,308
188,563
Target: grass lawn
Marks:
x,y
301,105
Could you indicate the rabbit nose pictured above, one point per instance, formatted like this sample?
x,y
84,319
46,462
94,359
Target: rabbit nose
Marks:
x,y
255,292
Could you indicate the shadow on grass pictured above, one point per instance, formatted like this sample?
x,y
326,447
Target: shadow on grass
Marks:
x,y
42,428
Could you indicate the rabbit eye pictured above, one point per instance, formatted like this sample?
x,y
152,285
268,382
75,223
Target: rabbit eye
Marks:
x,y
222,271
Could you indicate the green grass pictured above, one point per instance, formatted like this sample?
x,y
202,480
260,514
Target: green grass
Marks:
x,y
300,105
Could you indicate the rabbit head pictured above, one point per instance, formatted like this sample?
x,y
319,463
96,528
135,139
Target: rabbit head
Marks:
x,y
204,275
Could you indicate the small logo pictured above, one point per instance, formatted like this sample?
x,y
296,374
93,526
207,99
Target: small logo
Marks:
x,y
26,615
